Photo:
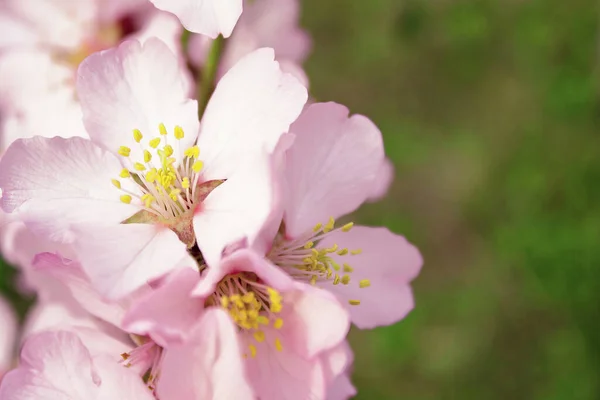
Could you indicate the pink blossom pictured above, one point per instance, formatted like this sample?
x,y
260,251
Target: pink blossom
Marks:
x,y
58,365
368,269
160,365
382,183
8,321
208,17
184,198
41,47
285,331
264,23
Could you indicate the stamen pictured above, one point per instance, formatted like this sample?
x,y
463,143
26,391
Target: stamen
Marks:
x,y
354,302
137,135
179,134
162,129
124,151
116,183
126,198
364,283
154,143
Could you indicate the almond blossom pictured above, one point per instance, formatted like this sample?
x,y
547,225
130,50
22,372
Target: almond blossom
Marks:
x,y
42,44
8,321
368,269
136,197
208,17
287,332
58,365
264,23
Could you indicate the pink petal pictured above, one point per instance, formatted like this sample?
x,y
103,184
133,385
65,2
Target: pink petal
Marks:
x,y
42,178
56,365
168,313
384,180
72,276
314,321
63,24
264,23
122,258
389,262
15,33
208,17
271,23
285,375
252,106
246,260
135,86
338,363
237,209
345,156
208,366
161,25
8,335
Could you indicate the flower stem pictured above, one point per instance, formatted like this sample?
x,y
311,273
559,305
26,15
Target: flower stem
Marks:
x,y
208,77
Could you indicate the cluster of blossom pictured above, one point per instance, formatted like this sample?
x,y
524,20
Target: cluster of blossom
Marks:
x,y
184,249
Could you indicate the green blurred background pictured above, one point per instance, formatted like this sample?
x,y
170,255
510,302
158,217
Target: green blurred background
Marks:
x,y
490,113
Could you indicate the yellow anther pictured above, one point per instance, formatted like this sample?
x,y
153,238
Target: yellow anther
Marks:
x,y
346,279
125,173
151,175
178,132
332,249
124,151
242,315
162,129
148,199
185,183
278,345
126,198
259,336
364,283
174,193
348,268
278,323
336,280
354,302
347,227
116,183
343,252
197,167
147,156
168,150
275,307
317,227
313,280
248,298
139,166
309,245
335,265
329,226
224,301
137,135
262,320
252,350
154,143
192,152
355,252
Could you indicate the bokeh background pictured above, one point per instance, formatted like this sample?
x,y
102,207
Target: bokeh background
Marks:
x,y
490,112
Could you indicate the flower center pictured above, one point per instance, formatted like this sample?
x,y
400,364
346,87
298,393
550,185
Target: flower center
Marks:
x,y
145,358
252,306
170,184
305,260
